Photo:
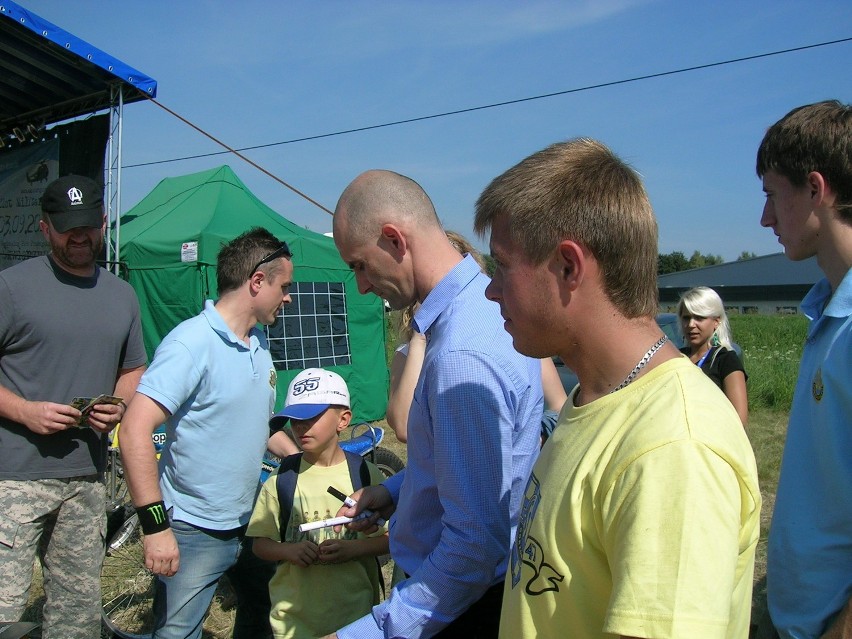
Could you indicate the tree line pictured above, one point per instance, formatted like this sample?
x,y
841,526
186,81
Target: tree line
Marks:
x,y
666,262
677,261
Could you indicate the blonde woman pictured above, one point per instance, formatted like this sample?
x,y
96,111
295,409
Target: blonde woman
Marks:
x,y
708,344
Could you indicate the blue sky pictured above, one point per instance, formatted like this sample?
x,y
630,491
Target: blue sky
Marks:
x,y
255,72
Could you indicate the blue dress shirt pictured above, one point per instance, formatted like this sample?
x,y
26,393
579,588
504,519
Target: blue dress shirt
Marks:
x,y
473,436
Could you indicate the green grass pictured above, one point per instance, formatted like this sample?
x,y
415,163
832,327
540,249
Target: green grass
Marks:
x,y
772,347
766,430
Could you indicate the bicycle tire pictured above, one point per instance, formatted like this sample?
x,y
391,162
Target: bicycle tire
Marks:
x,y
387,461
127,587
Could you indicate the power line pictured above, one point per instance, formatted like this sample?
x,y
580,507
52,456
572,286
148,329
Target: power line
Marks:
x,y
444,114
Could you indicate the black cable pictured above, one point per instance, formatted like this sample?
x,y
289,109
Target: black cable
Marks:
x,y
239,155
493,105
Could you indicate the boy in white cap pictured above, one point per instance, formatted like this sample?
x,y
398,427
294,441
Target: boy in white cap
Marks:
x,y
325,579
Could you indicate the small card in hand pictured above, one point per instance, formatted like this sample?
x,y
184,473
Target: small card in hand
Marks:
x,y
86,404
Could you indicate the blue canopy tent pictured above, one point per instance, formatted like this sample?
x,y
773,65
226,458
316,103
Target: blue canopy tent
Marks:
x,y
48,75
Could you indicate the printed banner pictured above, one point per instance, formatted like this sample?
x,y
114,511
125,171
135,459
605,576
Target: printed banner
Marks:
x,y
24,173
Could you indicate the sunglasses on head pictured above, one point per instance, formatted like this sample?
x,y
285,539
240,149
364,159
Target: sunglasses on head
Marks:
x,y
281,251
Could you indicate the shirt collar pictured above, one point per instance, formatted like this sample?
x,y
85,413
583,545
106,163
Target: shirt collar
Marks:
x,y
440,297
820,301
217,323
82,281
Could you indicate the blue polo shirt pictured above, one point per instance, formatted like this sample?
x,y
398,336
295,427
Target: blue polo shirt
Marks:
x,y
809,569
220,393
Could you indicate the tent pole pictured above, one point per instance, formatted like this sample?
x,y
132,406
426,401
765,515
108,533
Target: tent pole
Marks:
x,y
113,178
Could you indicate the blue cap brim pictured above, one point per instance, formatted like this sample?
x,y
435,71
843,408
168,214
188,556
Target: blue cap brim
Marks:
x,y
297,411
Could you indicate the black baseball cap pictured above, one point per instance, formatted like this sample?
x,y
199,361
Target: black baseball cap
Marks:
x,y
72,201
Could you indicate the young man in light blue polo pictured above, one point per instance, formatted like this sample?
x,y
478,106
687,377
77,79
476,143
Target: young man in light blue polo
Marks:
x,y
805,161
212,382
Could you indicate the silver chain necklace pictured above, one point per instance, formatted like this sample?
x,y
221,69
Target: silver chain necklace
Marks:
x,y
642,362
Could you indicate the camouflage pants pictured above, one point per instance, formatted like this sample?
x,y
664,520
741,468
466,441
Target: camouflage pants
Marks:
x,y
62,521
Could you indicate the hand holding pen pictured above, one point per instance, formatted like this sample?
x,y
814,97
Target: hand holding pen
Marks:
x,y
368,507
337,521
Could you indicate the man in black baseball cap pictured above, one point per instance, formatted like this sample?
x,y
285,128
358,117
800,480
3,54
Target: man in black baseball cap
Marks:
x,y
69,329
73,222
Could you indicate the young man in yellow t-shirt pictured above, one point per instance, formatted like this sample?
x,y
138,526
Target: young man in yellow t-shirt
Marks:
x,y
325,579
641,516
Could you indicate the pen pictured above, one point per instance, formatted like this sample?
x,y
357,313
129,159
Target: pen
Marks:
x,y
348,501
334,521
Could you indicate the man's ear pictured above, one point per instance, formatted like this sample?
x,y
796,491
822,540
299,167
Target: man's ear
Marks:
x,y
571,263
821,191
393,239
254,281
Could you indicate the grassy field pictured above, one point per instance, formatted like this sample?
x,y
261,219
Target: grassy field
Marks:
x,y
772,348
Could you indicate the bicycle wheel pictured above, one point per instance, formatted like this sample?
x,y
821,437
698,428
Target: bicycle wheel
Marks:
x,y
388,462
127,587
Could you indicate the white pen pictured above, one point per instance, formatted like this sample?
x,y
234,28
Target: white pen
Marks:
x,y
334,521
351,503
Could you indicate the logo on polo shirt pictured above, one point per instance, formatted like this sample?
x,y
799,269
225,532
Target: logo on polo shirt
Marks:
x,y
817,387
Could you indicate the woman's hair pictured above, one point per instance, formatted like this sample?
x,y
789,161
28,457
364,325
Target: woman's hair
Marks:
x,y
702,301
462,245
404,328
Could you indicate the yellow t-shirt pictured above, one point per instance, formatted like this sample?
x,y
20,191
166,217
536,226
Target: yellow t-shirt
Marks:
x,y
322,598
641,518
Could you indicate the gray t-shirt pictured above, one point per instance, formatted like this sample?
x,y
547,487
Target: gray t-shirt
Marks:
x,y
62,336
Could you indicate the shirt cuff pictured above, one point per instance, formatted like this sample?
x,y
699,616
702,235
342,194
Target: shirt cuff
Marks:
x,y
393,484
363,628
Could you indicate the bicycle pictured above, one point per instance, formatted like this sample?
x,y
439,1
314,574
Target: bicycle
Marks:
x,y
127,587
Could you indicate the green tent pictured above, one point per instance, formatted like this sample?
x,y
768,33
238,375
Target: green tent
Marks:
x,y
169,243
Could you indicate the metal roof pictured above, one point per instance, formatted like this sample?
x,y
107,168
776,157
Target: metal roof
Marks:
x,y
767,270
48,75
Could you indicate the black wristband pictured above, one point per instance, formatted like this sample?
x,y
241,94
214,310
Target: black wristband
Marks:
x,y
153,518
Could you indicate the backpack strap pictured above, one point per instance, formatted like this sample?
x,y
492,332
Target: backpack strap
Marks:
x,y
285,485
359,472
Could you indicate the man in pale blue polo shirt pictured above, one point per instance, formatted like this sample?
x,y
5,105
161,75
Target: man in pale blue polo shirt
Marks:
x,y
212,382
805,160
